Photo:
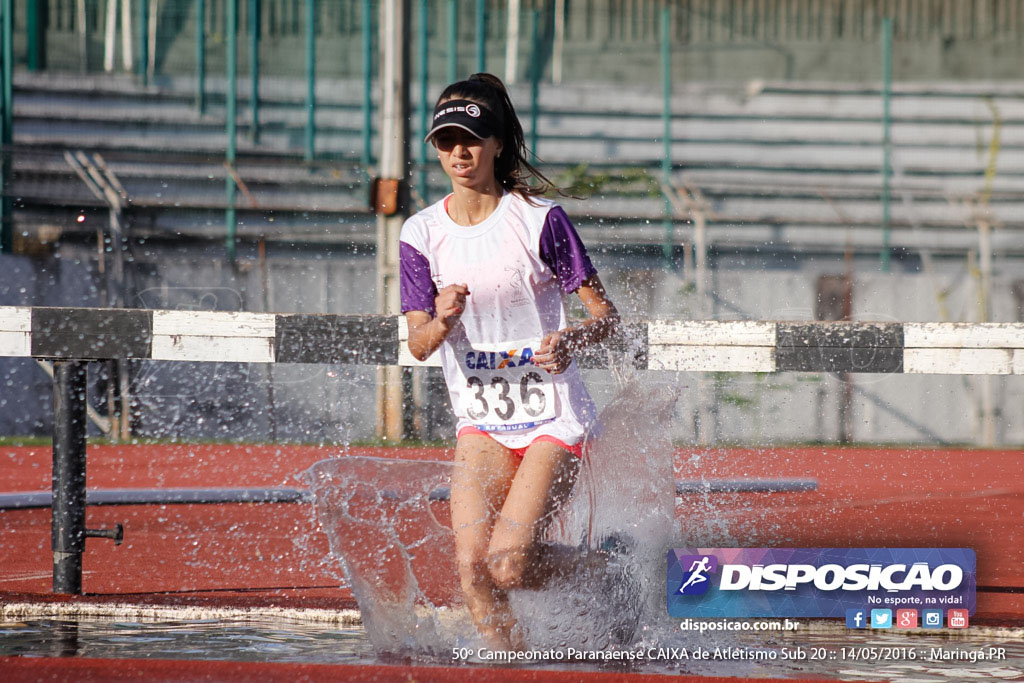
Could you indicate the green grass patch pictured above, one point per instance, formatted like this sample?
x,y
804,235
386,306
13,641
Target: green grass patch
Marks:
x,y
25,441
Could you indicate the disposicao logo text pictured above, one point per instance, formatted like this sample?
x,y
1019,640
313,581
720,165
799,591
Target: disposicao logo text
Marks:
x,y
792,582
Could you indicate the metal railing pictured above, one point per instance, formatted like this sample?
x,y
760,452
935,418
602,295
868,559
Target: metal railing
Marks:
x,y
603,21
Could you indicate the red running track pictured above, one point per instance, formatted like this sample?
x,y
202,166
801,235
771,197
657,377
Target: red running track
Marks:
x,y
274,553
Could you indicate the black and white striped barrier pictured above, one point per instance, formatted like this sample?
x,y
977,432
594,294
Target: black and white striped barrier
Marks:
x,y
697,346
70,336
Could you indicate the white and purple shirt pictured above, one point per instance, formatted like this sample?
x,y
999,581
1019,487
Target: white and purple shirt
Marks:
x,y
518,264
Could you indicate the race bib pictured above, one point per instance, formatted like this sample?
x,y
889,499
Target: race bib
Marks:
x,y
503,390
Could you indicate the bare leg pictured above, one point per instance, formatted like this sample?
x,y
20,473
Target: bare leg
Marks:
x,y
480,483
543,482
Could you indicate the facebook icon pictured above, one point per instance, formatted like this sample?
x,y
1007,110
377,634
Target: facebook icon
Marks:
x,y
856,618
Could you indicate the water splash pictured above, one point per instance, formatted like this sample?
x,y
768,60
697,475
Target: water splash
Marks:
x,y
623,503
387,525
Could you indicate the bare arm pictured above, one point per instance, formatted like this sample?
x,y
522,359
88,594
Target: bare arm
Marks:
x,y
557,348
427,332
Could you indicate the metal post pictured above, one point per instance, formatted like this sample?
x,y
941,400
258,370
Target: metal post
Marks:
x,y
6,125
310,79
36,38
425,109
706,389
481,35
700,248
367,85
231,123
846,402
8,70
886,139
534,80
143,63
254,67
151,37
558,42
453,40
201,56
265,290
127,58
666,118
985,263
68,522
512,43
395,36
109,36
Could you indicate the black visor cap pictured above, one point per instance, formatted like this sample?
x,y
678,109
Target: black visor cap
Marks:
x,y
469,116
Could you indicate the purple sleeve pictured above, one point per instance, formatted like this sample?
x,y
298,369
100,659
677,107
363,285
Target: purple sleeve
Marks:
x,y
562,250
418,290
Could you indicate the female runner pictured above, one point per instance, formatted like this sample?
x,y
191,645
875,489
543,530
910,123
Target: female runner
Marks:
x,y
483,276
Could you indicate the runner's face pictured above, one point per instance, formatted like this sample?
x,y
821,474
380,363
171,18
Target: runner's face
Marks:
x,y
468,160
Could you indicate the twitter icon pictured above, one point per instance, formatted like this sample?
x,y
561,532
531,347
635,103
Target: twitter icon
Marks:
x,y
881,618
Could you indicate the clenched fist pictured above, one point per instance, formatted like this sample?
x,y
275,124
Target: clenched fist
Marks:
x,y
449,304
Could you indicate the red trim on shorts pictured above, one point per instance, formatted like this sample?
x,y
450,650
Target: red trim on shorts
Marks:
x,y
576,449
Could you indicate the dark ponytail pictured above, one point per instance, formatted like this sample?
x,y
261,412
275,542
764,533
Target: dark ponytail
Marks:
x,y
511,168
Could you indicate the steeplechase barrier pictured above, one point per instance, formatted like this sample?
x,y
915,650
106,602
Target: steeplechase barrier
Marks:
x,y
70,337
61,334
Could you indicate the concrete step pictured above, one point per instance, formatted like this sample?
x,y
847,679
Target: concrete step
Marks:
x,y
939,123
183,167
775,157
812,155
782,183
191,139
730,209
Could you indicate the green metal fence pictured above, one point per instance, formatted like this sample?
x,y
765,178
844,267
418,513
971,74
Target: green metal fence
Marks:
x,y
79,34
297,45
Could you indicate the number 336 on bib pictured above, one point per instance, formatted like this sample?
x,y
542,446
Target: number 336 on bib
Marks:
x,y
503,391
